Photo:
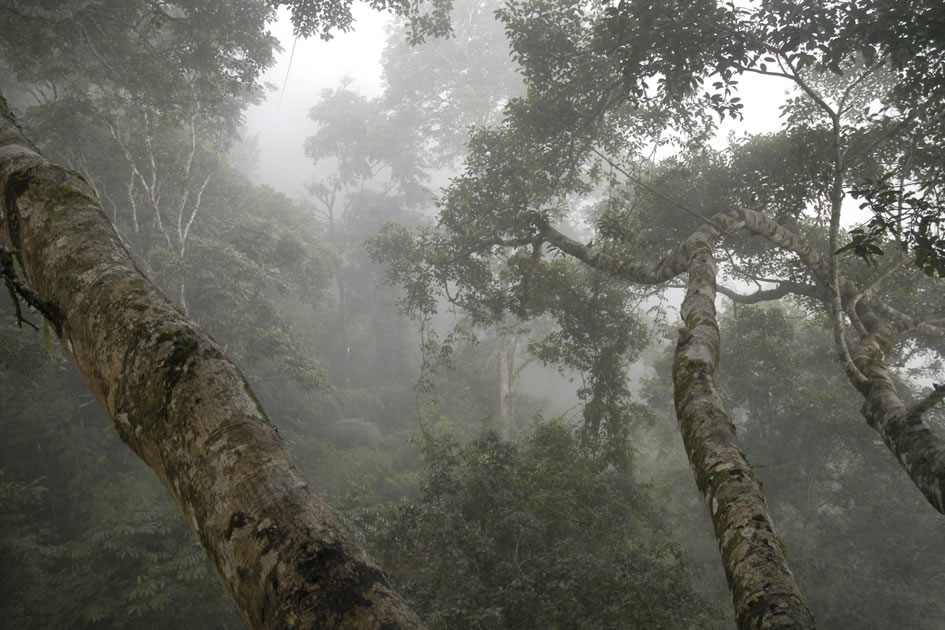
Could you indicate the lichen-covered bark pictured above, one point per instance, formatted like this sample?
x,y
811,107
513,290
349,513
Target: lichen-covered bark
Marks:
x,y
759,224
919,449
676,263
764,592
284,558
762,587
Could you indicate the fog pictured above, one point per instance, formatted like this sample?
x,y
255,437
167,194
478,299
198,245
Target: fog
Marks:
x,y
590,315
281,121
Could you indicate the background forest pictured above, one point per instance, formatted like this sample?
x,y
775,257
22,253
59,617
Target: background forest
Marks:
x,y
494,421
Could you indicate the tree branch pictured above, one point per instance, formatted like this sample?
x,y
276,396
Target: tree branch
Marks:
x,y
766,295
666,269
19,291
869,291
930,400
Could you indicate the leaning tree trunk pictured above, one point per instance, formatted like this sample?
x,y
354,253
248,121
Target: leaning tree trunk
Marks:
x,y
918,448
764,593
915,444
185,409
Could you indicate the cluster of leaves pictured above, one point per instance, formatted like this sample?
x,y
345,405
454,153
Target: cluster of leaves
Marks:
x,y
644,53
22,545
255,259
370,144
321,17
540,533
442,89
136,566
598,335
902,41
621,77
163,54
907,219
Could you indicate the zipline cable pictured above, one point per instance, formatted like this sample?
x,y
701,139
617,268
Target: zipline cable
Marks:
x,y
287,71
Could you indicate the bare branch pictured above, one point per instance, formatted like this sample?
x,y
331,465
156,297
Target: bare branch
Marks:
x,y
19,291
193,215
767,295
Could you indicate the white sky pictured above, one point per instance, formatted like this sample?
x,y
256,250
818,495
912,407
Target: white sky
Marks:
x,y
316,66
282,120
761,96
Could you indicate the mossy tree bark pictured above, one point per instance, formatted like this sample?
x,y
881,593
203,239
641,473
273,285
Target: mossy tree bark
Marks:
x,y
185,409
914,443
764,592
916,446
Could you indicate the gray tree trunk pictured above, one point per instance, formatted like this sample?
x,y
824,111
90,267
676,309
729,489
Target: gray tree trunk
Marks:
x,y
917,447
764,593
185,409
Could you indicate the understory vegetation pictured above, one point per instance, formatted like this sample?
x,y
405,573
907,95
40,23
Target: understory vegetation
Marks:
x,y
467,328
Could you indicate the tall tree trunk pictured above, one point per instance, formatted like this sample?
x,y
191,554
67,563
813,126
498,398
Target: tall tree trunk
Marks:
x,y
504,386
343,326
764,593
185,409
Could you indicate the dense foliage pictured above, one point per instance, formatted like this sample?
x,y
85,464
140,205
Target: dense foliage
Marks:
x,y
609,142
539,533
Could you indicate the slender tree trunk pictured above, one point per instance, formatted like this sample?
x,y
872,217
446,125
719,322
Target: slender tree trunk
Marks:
x,y
342,294
343,326
505,387
186,410
764,593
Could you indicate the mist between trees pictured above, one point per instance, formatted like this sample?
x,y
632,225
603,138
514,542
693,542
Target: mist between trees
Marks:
x,y
534,350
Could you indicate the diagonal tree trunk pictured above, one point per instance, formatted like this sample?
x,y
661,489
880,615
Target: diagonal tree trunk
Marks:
x,y
918,448
763,590
185,409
